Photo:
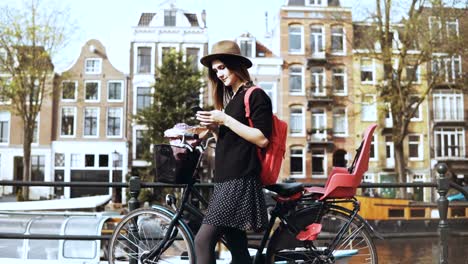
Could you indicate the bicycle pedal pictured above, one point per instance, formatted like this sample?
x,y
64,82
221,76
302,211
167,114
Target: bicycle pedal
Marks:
x,y
310,233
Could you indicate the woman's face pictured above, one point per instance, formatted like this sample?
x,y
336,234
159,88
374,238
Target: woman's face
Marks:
x,y
228,77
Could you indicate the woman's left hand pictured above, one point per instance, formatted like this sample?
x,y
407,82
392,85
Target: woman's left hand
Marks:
x,y
214,117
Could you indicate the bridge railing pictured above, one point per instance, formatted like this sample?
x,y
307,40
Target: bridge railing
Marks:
x,y
135,185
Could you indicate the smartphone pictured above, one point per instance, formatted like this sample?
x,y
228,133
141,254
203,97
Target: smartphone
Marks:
x,y
197,108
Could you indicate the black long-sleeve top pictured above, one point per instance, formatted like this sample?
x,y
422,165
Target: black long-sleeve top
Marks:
x,y
235,156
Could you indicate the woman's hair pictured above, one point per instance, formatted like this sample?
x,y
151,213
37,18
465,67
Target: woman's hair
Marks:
x,y
233,65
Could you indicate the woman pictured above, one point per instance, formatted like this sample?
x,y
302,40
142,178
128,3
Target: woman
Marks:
x,y
237,204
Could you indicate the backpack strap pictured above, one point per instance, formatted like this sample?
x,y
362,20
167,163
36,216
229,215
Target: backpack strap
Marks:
x,y
247,112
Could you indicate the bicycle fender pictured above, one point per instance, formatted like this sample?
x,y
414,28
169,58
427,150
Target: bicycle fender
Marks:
x,y
368,226
172,214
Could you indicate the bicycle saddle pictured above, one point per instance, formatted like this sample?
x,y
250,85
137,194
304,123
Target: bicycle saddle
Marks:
x,y
286,189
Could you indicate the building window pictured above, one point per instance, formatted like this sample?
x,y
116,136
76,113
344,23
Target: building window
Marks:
x,y
317,41
114,121
415,147
367,70
413,74
295,39
340,122
143,98
435,26
69,90
318,163
316,2
270,90
89,160
91,121
76,160
295,80
4,127
448,106
318,81
338,40
35,139
414,99
339,81
452,29
92,91
296,120
369,108
93,66
246,48
139,146
449,142
59,160
389,152
192,57
165,51
144,60
68,121
446,69
37,167
115,90
318,124
297,162
373,149
103,160
170,18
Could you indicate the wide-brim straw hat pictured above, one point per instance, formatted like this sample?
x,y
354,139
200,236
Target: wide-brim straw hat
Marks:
x,y
225,48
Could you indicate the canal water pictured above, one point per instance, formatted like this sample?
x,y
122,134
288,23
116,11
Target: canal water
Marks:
x,y
421,250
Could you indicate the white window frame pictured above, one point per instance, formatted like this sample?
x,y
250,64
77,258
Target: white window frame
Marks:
x,y
74,122
135,105
6,116
450,132
316,2
345,123
435,21
452,22
419,111
135,59
36,137
98,91
447,63
318,123
342,35
417,80
75,93
121,122
318,87
97,122
389,159
299,51
448,106
370,68
76,160
89,70
299,116
303,158
419,145
122,90
252,45
345,81
165,45
373,104
325,163
271,93
302,92
316,52
200,53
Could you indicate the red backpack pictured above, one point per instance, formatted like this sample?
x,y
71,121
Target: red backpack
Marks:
x,y
273,156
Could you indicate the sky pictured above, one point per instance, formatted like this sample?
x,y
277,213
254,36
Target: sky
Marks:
x,y
111,22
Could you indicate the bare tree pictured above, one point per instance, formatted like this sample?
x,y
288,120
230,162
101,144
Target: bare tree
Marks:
x,y
405,47
28,38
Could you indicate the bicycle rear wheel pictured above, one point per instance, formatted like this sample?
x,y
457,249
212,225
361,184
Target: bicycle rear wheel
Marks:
x,y
143,230
355,247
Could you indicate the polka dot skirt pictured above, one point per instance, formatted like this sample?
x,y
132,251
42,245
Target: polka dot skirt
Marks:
x,y
238,203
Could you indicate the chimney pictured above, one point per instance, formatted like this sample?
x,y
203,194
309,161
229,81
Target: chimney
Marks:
x,y
203,16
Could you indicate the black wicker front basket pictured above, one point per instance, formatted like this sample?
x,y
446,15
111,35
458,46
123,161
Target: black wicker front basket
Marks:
x,y
174,164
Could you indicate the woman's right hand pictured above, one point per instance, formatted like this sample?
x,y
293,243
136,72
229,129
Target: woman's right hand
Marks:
x,y
205,118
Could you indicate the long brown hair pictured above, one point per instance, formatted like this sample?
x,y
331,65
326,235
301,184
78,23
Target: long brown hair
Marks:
x,y
233,65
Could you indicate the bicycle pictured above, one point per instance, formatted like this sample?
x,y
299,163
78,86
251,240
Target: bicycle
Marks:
x,y
313,227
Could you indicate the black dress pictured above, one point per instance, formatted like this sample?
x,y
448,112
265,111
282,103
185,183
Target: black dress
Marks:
x,y
238,200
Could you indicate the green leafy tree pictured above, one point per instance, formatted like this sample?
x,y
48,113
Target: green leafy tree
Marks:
x,y
28,38
404,47
176,90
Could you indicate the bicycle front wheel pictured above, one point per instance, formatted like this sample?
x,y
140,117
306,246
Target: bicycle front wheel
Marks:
x,y
354,247
143,230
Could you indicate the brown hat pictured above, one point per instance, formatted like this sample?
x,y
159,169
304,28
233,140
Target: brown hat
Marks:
x,y
225,48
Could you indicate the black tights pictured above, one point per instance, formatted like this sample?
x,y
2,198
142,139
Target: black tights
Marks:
x,y
208,236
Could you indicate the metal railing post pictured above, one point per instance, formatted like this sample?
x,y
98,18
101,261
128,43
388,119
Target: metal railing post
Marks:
x,y
443,185
133,204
